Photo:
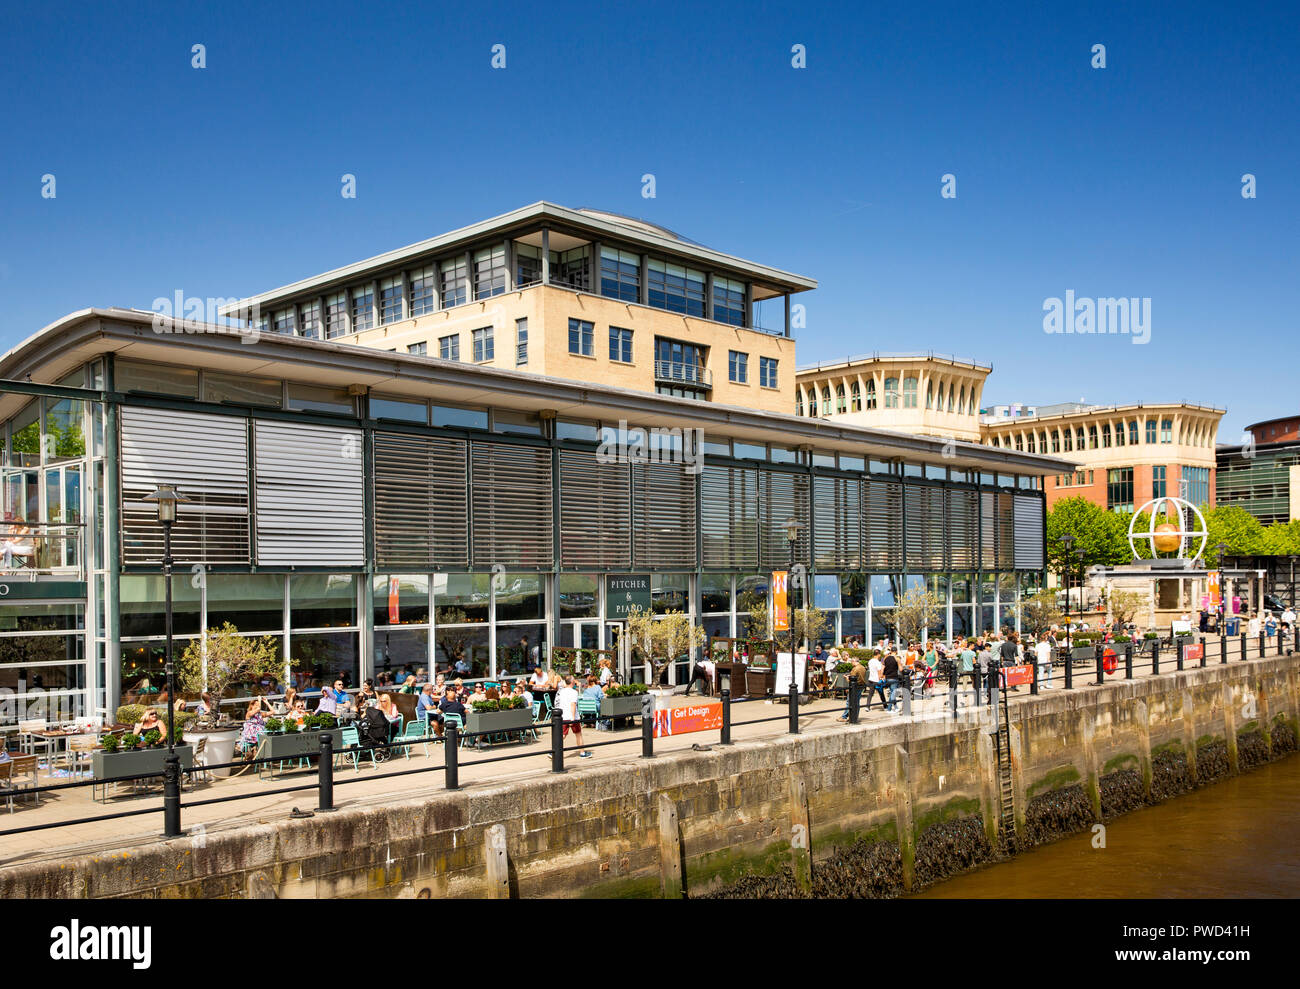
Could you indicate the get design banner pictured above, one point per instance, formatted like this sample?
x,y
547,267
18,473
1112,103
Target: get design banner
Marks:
x,y
705,716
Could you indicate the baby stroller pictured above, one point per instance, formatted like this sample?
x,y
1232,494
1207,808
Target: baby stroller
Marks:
x,y
372,731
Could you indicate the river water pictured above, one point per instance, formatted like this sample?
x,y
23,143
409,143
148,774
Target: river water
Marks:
x,y
1237,838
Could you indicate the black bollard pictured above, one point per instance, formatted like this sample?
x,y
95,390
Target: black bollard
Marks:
x,y
1261,644
1100,659
1128,660
1223,648
794,708
1155,656
451,755
1033,672
726,717
1243,647
647,727
171,796
1203,656
557,741
855,700
1069,669
325,772
1179,661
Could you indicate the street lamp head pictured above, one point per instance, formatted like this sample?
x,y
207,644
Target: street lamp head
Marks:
x,y
167,498
1067,540
792,527
1078,554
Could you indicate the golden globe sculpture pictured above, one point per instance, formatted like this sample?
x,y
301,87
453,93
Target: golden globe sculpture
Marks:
x,y
1186,540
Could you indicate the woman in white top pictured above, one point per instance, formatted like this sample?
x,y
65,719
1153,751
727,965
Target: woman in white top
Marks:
x,y
605,672
1252,626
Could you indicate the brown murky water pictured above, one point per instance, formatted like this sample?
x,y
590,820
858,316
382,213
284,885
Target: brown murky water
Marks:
x,y
1237,838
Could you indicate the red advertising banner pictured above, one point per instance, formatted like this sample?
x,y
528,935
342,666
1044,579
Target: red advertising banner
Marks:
x,y
1016,675
393,615
780,601
704,716
1192,653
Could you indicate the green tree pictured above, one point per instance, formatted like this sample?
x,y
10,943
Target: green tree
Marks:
x,y
918,610
1100,534
1039,613
1240,531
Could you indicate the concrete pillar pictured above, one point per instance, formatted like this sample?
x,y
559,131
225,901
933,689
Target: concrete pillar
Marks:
x,y
800,835
1091,771
1142,721
1230,728
903,814
1189,734
670,849
497,862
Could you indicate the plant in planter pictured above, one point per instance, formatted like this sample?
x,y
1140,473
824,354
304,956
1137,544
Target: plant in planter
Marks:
x,y
664,638
1150,636
109,743
274,726
290,726
223,658
151,738
130,742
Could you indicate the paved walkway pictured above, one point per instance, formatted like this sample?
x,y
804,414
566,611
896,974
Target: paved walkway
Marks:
x,y
371,785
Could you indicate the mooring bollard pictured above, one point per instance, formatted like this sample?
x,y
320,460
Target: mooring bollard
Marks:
x,y
1179,660
451,758
855,700
726,717
647,726
794,708
1203,656
1155,656
1069,669
557,740
171,796
1100,658
1261,644
325,772
1243,647
1033,672
1128,660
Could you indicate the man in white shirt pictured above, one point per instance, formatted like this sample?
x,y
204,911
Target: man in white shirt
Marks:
x,y
566,699
876,681
1044,655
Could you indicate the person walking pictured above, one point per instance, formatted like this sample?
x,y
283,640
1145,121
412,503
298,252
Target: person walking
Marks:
x,y
1043,652
857,673
876,680
892,678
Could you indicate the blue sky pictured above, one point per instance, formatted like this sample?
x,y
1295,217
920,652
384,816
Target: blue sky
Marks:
x,y
1122,181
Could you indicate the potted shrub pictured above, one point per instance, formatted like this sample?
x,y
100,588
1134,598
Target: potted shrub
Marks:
x,y
1083,648
506,714
151,738
134,756
109,743
662,640
130,742
214,664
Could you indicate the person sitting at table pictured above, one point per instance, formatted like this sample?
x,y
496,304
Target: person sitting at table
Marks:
x,y
285,704
298,712
606,670
388,708
329,699
254,724
367,693
450,704
521,690
478,694
149,721
539,679
426,708
205,707
408,686
462,692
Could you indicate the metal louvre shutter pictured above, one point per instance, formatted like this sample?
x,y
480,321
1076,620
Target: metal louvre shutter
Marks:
x,y
988,531
663,516
729,517
511,498
1006,531
925,535
882,520
206,457
421,501
310,495
1029,532
595,512
837,526
963,528
780,497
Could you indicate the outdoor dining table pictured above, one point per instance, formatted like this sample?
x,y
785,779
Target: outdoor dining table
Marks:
x,y
57,737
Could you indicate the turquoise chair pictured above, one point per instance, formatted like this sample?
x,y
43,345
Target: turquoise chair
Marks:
x,y
453,719
415,730
351,748
588,706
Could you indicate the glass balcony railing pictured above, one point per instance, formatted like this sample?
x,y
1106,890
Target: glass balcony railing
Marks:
x,y
36,549
682,373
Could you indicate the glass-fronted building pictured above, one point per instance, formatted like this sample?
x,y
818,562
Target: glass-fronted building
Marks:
x,y
380,511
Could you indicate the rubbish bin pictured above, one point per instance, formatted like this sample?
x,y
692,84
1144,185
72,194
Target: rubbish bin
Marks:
x,y
1234,626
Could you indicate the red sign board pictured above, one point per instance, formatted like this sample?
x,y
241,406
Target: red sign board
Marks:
x,y
704,716
1192,653
393,613
1016,675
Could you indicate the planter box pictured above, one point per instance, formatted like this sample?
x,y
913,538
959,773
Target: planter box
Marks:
x,y
295,746
1084,654
628,706
515,720
109,766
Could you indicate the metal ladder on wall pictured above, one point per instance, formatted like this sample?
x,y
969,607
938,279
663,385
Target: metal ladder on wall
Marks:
x,y
1002,742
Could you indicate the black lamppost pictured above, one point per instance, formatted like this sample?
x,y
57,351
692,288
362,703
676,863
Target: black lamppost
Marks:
x,y
1222,617
167,498
1067,540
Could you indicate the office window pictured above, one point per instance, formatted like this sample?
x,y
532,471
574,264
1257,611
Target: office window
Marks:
x,y
1069,440
1196,485
580,337
674,287
521,342
285,322
572,268
1092,437
1056,441
929,395
620,275
310,324
729,301
1020,443
840,406
798,403
961,401
418,349
1157,481
390,300
871,393
855,397
909,393
489,271
1029,443
1151,430
738,368
1119,489
767,372
1105,436
449,347
528,265
620,345
484,348
826,400
422,292
1119,434
1166,430
455,282
336,315
363,309
1133,433
1079,443
891,393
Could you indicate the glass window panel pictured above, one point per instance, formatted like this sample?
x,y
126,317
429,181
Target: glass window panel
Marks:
x,y
322,600
250,602
518,648
322,657
517,423
445,415
310,398
401,651
462,598
520,597
884,590
461,651
155,379
715,592
668,592
826,591
402,409
143,611
409,597
578,595
853,590
242,390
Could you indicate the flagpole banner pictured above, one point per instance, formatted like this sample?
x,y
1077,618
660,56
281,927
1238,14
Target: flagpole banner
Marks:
x,y
780,601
